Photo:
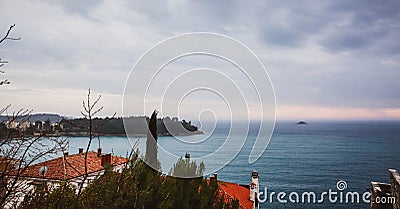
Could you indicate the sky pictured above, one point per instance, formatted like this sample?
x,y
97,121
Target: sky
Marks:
x,y
325,59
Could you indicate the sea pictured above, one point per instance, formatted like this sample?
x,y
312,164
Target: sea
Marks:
x,y
321,157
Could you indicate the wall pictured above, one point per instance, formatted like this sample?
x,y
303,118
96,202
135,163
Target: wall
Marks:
x,y
395,184
380,190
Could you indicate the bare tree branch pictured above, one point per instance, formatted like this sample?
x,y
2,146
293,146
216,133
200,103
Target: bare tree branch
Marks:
x,y
6,37
18,151
2,62
4,109
89,112
4,82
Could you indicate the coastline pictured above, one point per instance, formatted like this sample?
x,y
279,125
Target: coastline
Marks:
x,y
86,134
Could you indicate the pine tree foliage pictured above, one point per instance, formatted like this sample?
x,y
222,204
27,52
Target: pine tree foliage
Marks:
x,y
138,186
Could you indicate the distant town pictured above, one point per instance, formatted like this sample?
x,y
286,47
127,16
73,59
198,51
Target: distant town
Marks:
x,y
56,125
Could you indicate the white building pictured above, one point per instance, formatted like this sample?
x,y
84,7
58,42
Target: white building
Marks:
x,y
68,168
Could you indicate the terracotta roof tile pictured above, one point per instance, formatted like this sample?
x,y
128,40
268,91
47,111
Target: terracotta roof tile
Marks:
x,y
70,166
7,164
236,191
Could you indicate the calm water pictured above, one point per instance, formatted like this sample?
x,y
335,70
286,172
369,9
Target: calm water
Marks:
x,y
299,157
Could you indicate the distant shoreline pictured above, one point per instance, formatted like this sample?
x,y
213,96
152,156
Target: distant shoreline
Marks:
x,y
85,134
56,126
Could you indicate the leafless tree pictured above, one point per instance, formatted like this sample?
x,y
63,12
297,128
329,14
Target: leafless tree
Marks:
x,y
18,150
89,111
3,62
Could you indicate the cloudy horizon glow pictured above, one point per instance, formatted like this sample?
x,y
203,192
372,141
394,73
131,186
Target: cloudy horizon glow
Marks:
x,y
326,59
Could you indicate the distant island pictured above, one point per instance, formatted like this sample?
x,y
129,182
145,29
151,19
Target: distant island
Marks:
x,y
56,125
301,123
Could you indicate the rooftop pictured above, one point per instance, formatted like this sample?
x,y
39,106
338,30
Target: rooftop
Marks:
x,y
237,191
7,163
70,166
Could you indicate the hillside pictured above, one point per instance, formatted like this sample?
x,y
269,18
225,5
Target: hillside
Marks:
x,y
58,125
135,126
54,118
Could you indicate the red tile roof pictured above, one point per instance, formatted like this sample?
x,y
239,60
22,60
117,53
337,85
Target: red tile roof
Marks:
x,y
70,166
236,191
7,164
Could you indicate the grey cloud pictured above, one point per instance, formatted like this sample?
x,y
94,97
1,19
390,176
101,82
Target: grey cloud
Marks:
x,y
82,8
367,11
347,82
338,26
284,25
367,25
344,39
317,52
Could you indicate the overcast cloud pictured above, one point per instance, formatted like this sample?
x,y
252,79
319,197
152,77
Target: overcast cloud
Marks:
x,y
326,59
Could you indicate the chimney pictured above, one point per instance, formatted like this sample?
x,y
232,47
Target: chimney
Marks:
x,y
98,152
80,150
187,155
214,177
105,159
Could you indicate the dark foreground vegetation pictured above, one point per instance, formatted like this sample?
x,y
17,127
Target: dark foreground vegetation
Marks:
x,y
138,186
